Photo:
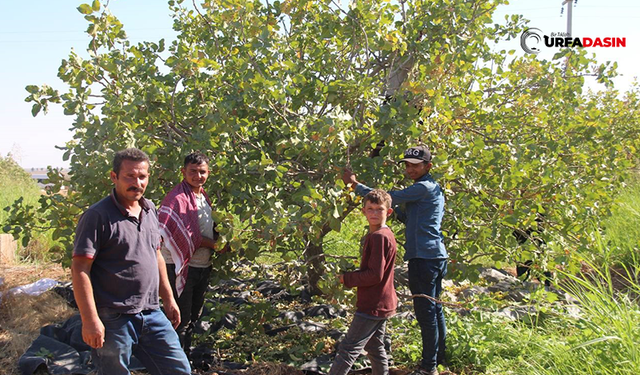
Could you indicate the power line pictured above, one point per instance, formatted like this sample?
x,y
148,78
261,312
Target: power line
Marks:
x,y
76,31
520,9
147,39
607,7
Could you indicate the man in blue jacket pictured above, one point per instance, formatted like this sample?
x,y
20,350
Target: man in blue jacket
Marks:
x,y
421,207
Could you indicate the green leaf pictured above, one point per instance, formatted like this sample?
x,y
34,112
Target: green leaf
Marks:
x,y
335,224
95,5
35,109
85,9
32,89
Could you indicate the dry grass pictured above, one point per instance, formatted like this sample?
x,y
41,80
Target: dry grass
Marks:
x,y
22,316
16,275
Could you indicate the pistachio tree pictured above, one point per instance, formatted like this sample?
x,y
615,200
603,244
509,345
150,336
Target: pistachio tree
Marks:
x,y
283,94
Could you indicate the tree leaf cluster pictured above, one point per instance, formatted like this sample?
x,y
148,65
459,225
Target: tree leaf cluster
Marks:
x,y
284,94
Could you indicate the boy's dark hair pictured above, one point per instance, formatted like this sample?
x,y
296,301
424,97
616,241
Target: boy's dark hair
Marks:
x,y
377,196
196,158
131,154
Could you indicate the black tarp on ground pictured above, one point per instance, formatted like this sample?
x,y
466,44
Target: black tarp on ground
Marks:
x,y
60,350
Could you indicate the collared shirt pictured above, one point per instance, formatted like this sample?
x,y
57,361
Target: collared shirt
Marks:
x,y
124,273
421,207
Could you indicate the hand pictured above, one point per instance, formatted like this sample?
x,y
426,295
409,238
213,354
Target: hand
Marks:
x,y
225,249
208,242
173,312
348,177
93,333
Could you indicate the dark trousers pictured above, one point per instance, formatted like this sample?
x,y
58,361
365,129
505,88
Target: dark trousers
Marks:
x,y
425,277
190,301
364,333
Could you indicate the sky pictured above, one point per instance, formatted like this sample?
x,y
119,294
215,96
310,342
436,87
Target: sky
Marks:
x,y
35,35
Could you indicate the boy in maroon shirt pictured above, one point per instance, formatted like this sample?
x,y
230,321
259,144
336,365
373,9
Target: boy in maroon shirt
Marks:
x,y
376,296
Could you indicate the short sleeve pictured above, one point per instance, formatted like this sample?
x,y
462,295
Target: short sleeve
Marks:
x,y
88,235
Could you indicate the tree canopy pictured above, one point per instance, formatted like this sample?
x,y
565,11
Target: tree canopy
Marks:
x,y
282,95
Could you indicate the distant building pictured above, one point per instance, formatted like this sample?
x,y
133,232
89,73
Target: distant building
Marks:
x,y
40,175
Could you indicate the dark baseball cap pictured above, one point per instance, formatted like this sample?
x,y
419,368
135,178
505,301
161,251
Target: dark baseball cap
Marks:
x,y
418,154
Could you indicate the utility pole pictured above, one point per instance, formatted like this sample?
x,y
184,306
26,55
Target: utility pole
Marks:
x,y
569,14
569,4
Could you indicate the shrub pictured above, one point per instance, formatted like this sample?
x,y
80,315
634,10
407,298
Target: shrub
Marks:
x,y
15,183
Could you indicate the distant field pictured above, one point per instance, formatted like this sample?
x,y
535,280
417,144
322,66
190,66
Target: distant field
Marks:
x,y
15,182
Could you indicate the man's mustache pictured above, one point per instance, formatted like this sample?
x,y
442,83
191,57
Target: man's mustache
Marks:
x,y
135,189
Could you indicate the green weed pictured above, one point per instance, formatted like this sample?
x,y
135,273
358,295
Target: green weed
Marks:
x,y
15,183
609,327
601,339
622,228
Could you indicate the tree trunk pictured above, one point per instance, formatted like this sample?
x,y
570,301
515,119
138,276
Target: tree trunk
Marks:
x,y
314,257
398,73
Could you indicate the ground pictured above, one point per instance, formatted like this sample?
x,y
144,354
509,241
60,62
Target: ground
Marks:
x,y
21,318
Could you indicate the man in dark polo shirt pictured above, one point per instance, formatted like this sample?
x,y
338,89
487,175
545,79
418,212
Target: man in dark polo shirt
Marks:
x,y
118,274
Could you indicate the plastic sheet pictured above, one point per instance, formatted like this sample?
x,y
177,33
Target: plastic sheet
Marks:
x,y
33,289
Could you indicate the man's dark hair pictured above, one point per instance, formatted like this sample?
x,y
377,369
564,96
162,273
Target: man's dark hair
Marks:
x,y
132,154
196,158
377,196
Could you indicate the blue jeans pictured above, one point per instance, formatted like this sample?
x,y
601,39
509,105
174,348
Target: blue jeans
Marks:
x,y
364,333
190,301
425,277
149,336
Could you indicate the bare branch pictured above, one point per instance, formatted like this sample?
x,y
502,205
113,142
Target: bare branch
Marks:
x,y
206,20
173,126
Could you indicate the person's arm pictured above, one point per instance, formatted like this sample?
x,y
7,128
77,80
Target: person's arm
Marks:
x,y
208,242
92,327
362,189
401,215
412,193
373,272
349,178
170,306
